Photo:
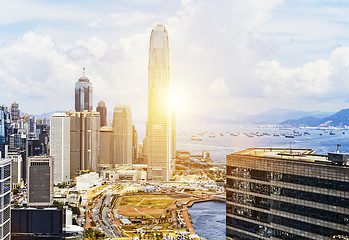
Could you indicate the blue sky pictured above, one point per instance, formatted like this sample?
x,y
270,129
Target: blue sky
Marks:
x,y
241,56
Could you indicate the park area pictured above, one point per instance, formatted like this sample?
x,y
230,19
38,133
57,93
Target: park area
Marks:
x,y
143,205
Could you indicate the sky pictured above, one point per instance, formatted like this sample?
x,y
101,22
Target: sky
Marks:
x,y
227,56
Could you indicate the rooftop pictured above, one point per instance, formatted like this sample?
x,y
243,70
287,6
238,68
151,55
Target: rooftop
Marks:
x,y
304,155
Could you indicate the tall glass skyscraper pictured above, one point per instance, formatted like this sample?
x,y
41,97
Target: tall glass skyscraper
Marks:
x,y
159,140
83,94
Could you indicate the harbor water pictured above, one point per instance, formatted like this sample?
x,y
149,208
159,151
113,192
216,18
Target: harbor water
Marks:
x,y
209,217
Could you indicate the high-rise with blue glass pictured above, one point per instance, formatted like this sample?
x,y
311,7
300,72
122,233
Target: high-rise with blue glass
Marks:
x,y
3,131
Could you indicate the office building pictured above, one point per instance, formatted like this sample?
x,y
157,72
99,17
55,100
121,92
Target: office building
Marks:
x,y
84,141
102,109
123,132
34,147
17,164
15,113
106,156
31,127
42,131
40,181
134,145
83,94
158,138
60,146
37,223
3,132
287,194
5,198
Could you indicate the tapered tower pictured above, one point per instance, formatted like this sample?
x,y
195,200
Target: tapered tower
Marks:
x,y
83,94
159,140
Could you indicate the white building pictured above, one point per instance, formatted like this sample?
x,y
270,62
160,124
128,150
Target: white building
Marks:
x,y
60,146
16,159
88,180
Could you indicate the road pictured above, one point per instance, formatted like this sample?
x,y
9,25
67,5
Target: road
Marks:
x,y
105,222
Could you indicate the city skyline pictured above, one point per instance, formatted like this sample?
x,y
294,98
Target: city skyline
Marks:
x,y
253,57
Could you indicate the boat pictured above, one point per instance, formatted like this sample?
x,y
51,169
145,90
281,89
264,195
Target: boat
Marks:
x,y
212,136
289,136
196,139
332,133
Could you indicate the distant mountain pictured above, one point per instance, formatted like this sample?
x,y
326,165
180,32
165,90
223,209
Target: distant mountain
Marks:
x,y
48,115
276,116
303,122
339,119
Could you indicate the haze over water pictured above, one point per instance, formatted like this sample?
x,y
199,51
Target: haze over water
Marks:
x,y
220,146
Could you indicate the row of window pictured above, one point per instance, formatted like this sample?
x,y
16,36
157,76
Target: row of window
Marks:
x,y
257,229
298,194
329,216
287,222
289,178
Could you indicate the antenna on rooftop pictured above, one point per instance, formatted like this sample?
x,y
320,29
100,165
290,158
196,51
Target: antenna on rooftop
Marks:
x,y
337,150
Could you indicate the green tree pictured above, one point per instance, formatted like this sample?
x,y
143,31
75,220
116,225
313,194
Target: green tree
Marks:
x,y
91,233
15,191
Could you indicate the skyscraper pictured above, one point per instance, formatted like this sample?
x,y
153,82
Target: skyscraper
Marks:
x,y
158,139
84,141
15,113
5,198
2,131
60,146
83,94
102,109
123,134
40,181
287,194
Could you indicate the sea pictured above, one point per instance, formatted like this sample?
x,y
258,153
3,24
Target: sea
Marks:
x,y
209,217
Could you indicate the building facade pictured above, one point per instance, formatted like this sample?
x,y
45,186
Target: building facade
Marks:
x,y
60,146
40,181
106,156
84,141
123,133
286,194
3,132
15,113
102,109
5,199
83,94
37,223
158,137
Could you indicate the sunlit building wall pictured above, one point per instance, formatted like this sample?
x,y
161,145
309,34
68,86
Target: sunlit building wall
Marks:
x,y
84,141
134,144
287,194
102,109
123,134
106,148
158,140
60,146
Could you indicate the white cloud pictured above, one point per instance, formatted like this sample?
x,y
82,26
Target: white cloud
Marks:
x,y
218,89
321,79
